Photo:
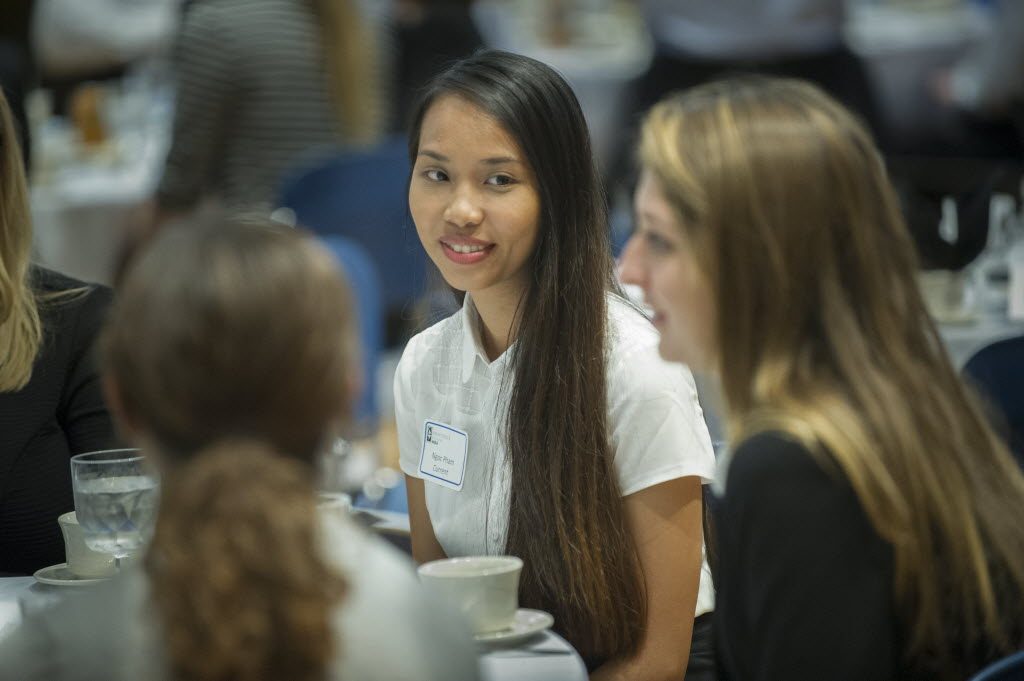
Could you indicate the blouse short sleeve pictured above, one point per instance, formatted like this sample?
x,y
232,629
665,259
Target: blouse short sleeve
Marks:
x,y
657,425
409,431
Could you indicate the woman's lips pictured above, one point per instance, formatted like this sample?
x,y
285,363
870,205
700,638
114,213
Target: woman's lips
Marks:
x,y
466,251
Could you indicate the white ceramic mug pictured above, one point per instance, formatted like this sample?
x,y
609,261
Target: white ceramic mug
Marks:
x,y
484,588
83,561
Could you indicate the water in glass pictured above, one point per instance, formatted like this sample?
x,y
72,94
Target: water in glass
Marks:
x,y
116,500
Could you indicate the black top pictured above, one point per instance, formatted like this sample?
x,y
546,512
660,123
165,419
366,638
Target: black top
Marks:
x,y
59,413
804,582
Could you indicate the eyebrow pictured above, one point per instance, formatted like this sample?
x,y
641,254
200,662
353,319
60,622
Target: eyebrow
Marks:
x,y
492,161
648,218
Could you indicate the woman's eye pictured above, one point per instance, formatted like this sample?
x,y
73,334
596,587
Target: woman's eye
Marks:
x,y
657,244
435,175
500,180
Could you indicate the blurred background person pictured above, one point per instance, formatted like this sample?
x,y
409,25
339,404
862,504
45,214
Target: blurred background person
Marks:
x,y
428,36
868,527
244,578
16,67
51,404
262,84
990,82
696,41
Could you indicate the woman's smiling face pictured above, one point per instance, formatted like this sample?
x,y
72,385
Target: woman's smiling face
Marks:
x,y
474,199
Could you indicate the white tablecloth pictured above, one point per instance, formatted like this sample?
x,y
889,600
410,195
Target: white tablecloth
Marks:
x,y
545,657
82,199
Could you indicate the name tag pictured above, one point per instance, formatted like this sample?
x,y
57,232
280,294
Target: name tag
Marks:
x,y
443,459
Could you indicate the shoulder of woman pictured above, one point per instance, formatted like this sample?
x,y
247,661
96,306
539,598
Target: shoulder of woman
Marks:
x,y
774,459
61,297
352,549
635,368
385,603
441,336
47,282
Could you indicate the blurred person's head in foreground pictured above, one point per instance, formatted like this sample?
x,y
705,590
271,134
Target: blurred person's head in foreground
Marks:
x,y
772,250
227,358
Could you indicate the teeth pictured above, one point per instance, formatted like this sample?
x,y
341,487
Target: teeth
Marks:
x,y
459,248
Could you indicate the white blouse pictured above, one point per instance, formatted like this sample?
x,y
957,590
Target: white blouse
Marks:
x,y
444,378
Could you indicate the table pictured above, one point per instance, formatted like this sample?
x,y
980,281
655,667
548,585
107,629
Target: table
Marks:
x,y
82,199
545,657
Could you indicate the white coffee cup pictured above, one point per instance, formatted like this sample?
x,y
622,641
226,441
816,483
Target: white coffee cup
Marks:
x,y
484,588
83,561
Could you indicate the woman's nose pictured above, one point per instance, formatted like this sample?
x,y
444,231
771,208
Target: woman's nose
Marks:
x,y
463,211
631,266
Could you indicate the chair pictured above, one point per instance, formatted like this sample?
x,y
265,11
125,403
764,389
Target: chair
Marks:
x,y
365,284
362,195
997,372
1007,669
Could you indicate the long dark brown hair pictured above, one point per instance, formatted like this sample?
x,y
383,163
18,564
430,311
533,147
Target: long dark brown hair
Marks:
x,y
566,518
229,345
823,334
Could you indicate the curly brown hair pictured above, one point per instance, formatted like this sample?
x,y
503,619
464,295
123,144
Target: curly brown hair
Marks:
x,y
236,604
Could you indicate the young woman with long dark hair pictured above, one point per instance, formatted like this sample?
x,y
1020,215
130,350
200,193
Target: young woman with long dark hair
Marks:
x,y
870,527
539,420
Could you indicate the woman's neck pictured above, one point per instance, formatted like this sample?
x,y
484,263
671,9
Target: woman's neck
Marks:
x,y
497,310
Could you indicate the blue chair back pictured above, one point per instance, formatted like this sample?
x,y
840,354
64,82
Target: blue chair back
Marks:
x,y
1007,669
997,372
362,195
365,284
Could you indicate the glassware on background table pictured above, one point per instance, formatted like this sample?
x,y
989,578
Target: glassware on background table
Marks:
x,y
990,271
116,495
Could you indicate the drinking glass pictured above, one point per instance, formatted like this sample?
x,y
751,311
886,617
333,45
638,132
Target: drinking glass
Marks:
x,y
116,497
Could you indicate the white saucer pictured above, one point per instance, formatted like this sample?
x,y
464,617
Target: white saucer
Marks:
x,y
526,624
60,575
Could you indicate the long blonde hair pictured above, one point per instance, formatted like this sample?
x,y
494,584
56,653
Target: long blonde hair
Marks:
x,y
230,346
354,66
822,334
20,329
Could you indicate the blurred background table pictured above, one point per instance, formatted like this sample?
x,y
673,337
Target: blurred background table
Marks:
x,y
83,195
545,657
599,47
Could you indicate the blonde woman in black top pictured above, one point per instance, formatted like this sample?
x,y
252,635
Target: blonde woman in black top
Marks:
x,y
51,405
870,525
